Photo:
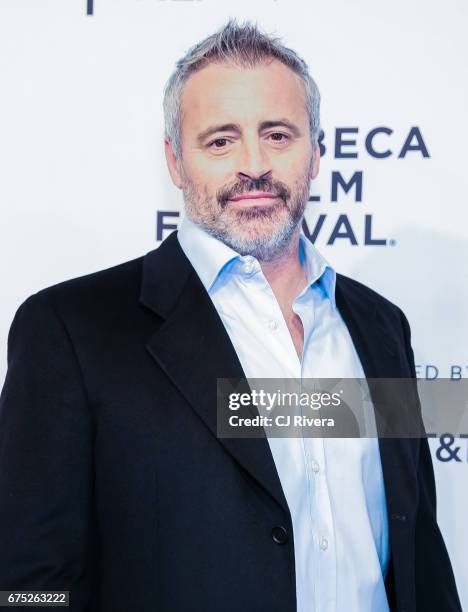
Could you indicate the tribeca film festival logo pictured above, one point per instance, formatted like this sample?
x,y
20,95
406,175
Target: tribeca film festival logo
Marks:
x,y
90,4
345,188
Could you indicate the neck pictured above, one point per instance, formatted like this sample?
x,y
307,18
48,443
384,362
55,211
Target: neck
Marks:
x,y
285,274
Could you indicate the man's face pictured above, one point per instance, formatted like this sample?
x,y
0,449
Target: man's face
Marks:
x,y
247,158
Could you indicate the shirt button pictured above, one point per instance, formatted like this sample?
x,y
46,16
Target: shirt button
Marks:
x,y
248,266
279,534
272,324
315,466
323,543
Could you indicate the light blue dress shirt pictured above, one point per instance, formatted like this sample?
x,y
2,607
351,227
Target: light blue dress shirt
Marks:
x,y
334,486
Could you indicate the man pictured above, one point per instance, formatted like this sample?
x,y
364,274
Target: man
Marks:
x,y
113,482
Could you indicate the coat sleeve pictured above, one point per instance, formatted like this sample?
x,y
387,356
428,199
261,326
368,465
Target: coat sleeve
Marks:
x,y
435,583
46,471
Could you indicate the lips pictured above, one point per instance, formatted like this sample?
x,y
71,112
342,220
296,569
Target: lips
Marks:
x,y
253,196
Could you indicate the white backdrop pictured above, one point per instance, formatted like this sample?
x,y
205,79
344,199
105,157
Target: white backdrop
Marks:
x,y
83,172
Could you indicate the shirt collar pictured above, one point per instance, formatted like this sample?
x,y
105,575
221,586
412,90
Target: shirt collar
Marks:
x,y
210,257
318,270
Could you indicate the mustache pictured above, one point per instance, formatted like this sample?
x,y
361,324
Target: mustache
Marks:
x,y
276,188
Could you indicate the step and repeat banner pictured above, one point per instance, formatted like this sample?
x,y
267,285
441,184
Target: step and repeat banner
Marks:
x,y
84,183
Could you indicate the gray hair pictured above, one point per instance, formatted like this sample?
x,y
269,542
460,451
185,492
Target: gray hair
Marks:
x,y
245,46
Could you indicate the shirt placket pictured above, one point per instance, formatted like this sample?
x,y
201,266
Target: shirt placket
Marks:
x,y
320,510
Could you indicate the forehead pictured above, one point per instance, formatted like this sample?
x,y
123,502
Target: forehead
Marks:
x,y
224,92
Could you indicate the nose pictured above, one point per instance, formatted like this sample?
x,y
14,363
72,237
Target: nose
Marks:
x,y
253,162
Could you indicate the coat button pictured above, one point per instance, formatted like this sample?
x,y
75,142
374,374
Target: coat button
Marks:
x,y
279,534
398,517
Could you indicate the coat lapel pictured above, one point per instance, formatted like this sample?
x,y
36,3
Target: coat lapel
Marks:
x,y
194,350
380,356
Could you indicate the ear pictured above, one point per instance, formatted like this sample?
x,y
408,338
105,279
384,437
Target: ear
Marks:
x,y
172,164
315,163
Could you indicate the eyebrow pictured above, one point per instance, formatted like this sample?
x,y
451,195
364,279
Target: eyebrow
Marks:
x,y
235,127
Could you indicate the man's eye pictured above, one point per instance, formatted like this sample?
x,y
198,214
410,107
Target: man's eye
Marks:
x,y
279,137
219,143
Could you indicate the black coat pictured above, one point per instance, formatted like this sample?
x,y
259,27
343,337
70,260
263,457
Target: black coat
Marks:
x,y
113,483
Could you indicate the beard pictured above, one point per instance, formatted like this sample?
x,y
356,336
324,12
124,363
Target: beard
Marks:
x,y
261,231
